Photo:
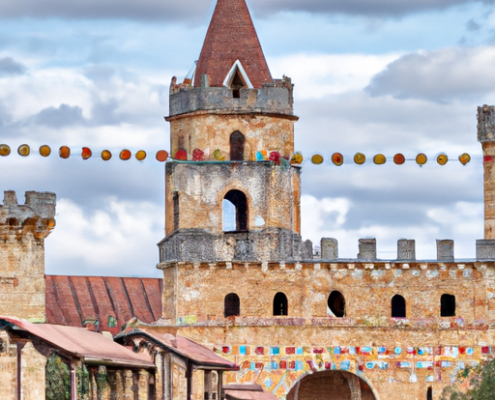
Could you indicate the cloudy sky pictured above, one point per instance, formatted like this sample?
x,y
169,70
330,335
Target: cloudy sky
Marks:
x,y
371,76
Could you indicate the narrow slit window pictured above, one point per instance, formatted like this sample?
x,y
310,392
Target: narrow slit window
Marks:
x,y
280,304
176,210
237,141
447,305
232,305
398,306
336,304
239,201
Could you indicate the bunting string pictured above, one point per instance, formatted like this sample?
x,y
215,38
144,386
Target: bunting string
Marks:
x,y
336,159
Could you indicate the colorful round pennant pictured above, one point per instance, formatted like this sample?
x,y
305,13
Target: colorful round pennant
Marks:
x,y
200,155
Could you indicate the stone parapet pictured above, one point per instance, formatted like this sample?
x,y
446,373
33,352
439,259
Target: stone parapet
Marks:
x,y
485,249
270,99
197,245
367,249
445,250
36,215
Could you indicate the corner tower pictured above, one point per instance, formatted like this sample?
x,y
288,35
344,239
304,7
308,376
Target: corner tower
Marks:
x,y
232,136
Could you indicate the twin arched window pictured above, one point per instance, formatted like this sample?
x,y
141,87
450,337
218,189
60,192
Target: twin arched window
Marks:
x,y
232,305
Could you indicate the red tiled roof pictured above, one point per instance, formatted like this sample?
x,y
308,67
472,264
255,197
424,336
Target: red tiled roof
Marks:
x,y
71,300
80,342
230,37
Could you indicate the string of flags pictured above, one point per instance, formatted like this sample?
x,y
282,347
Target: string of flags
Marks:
x,y
337,159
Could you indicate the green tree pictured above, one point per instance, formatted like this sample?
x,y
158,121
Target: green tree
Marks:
x,y
480,384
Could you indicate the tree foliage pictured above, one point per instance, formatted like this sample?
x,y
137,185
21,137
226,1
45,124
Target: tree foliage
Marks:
x,y
475,383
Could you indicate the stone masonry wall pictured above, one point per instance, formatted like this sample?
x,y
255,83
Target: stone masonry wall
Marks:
x,y
23,229
272,193
399,358
210,132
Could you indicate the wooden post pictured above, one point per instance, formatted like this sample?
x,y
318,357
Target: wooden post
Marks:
x,y
73,382
189,377
220,385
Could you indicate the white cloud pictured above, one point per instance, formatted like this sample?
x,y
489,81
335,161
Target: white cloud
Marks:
x,y
318,75
119,238
440,75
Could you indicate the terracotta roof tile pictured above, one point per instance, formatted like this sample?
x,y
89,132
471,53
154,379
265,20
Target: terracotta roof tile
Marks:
x,y
230,37
71,300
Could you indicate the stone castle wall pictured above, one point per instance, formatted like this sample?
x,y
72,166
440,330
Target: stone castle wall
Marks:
x,y
399,358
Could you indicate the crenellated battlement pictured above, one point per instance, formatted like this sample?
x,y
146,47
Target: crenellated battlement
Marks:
x,y
36,215
273,98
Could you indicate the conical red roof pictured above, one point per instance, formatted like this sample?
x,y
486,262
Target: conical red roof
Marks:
x,y
230,37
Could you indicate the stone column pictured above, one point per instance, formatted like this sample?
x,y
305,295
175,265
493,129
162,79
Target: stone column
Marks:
x,y
143,385
485,248
208,385
128,385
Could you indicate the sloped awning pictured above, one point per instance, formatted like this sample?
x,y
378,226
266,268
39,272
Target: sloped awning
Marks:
x,y
247,392
80,343
199,355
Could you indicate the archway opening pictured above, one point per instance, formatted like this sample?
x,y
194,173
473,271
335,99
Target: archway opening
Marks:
x,y
336,304
237,141
339,385
239,201
232,305
398,306
447,305
280,304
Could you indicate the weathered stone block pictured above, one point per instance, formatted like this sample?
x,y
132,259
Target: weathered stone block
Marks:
x,y
406,249
485,249
486,123
329,249
367,249
445,250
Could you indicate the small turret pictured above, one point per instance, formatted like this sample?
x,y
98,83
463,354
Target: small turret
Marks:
x,y
23,229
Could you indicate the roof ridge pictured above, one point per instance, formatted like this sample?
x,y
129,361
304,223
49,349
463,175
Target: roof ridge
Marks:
x,y
231,36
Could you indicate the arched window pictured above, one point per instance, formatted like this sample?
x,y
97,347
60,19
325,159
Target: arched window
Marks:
x,y
336,304
232,305
447,305
280,304
398,306
237,141
238,199
429,394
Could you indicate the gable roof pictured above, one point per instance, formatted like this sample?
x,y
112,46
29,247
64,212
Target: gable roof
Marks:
x,y
198,354
81,343
231,37
72,300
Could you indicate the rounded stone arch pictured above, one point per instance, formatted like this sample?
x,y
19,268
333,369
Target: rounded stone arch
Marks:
x,y
236,187
344,385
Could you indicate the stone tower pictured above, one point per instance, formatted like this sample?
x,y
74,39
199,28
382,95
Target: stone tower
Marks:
x,y
232,136
485,248
23,229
